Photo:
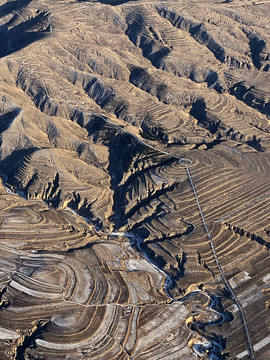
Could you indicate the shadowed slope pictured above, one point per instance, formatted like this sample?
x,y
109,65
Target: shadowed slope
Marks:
x,y
103,252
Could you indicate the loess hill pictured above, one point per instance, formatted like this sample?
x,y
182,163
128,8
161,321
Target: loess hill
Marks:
x,y
103,253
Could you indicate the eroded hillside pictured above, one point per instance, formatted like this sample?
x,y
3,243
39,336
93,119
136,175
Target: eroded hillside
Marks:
x,y
104,254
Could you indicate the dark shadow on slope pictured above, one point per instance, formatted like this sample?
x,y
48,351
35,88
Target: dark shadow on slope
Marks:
x,y
11,6
9,166
255,144
3,302
198,111
250,95
29,339
23,34
195,29
141,78
256,47
152,49
7,118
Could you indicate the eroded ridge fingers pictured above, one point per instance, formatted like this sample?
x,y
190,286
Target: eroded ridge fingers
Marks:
x,y
185,162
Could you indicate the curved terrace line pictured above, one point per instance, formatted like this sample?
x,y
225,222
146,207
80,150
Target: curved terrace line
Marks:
x,y
186,163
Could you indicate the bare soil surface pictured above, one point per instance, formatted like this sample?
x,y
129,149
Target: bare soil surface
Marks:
x,y
104,254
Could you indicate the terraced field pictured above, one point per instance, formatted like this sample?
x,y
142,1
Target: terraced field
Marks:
x,y
112,245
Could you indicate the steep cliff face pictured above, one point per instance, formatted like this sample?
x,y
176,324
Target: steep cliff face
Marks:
x,y
104,254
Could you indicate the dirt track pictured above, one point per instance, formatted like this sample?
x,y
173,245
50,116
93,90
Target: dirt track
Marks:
x,y
104,254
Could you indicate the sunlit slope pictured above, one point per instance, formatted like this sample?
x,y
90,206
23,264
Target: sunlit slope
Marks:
x,y
103,251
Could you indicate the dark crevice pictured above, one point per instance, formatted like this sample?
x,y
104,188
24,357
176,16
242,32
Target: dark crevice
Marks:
x,y
196,30
153,132
120,190
256,45
260,128
142,79
250,235
204,264
212,144
198,111
267,231
248,95
152,49
83,208
218,129
123,149
37,93
138,227
187,232
102,94
174,272
3,303
29,340
151,195
52,191
142,171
